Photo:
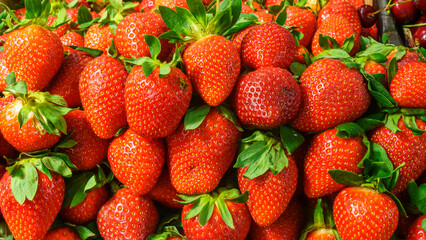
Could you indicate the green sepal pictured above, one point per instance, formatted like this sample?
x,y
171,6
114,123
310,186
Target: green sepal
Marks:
x,y
417,196
371,122
154,45
175,21
332,53
24,182
327,42
198,10
291,138
392,69
282,16
297,69
349,130
188,199
33,8
410,123
230,115
378,91
423,224
83,15
375,48
17,88
91,51
55,164
224,212
392,122
422,52
346,177
195,116
348,44
378,57
112,50
83,232
244,21
169,231
319,219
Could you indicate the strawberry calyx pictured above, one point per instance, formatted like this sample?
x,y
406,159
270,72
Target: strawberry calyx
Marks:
x,y
44,109
195,116
417,204
204,204
5,231
169,228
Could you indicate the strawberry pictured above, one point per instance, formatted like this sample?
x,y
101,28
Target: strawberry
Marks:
x,y
356,3
328,151
35,54
198,158
370,32
363,213
403,56
146,5
136,161
417,230
4,71
305,20
403,147
2,171
62,233
171,3
264,16
287,227
98,37
321,234
101,89
164,192
65,82
238,37
61,30
330,97
90,150
129,38
409,84
229,218
72,39
373,67
268,45
266,98
338,28
162,86
116,219
301,51
341,7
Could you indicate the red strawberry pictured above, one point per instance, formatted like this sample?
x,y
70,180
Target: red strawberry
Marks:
x,y
305,20
403,147
98,37
363,213
88,209
416,231
62,233
127,215
331,97
287,227
300,54
35,54
164,192
409,84
199,158
328,152
268,45
65,83
266,98
370,32
32,219
264,16
408,56
238,37
3,71
101,89
145,5
219,56
90,150
373,67
171,3
338,28
72,39
129,38
136,161
321,234
341,7
61,30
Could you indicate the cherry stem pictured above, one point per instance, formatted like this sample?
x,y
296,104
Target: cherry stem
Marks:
x,y
415,25
388,7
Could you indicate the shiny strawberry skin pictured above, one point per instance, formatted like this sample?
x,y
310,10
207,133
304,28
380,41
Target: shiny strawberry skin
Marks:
x,y
403,147
409,85
72,39
321,234
287,227
129,38
88,209
266,98
144,96
264,16
65,82
332,94
4,71
29,137
269,194
164,192
212,64
98,37
341,7
62,233
127,215
338,28
416,231
238,37
216,228
329,152
171,3
198,158
32,219
362,213
305,20
101,89
136,161
34,54
90,150
373,67
268,45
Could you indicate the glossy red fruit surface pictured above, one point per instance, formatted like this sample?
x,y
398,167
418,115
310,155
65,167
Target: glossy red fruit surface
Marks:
x,y
404,12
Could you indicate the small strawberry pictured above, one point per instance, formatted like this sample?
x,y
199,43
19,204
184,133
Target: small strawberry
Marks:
x,y
331,97
65,82
268,45
164,192
198,158
341,7
127,215
417,230
221,215
266,98
101,89
136,161
409,84
62,233
72,39
98,37
373,67
305,20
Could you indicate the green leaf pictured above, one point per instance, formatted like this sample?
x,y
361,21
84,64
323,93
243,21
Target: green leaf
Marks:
x,y
11,78
375,48
281,18
319,221
291,138
244,21
254,152
23,115
33,8
392,69
378,91
297,68
198,206
242,198
153,44
24,183
173,37
83,15
206,212
75,186
91,51
327,42
117,4
392,122
230,115
175,21
378,57
346,177
423,224
332,53
84,232
148,67
164,70
371,122
423,54
224,212
57,165
410,123
188,199
56,99
196,7
348,43
195,116
349,130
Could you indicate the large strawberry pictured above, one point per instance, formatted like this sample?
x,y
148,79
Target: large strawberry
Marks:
x,y
127,215
211,61
137,161
221,215
198,158
331,97
154,86
33,120
305,20
98,37
101,89
266,98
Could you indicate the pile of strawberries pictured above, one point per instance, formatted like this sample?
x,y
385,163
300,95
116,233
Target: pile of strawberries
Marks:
x,y
190,119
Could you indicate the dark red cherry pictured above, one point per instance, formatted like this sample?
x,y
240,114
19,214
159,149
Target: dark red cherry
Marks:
x,y
365,13
404,12
420,37
420,4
